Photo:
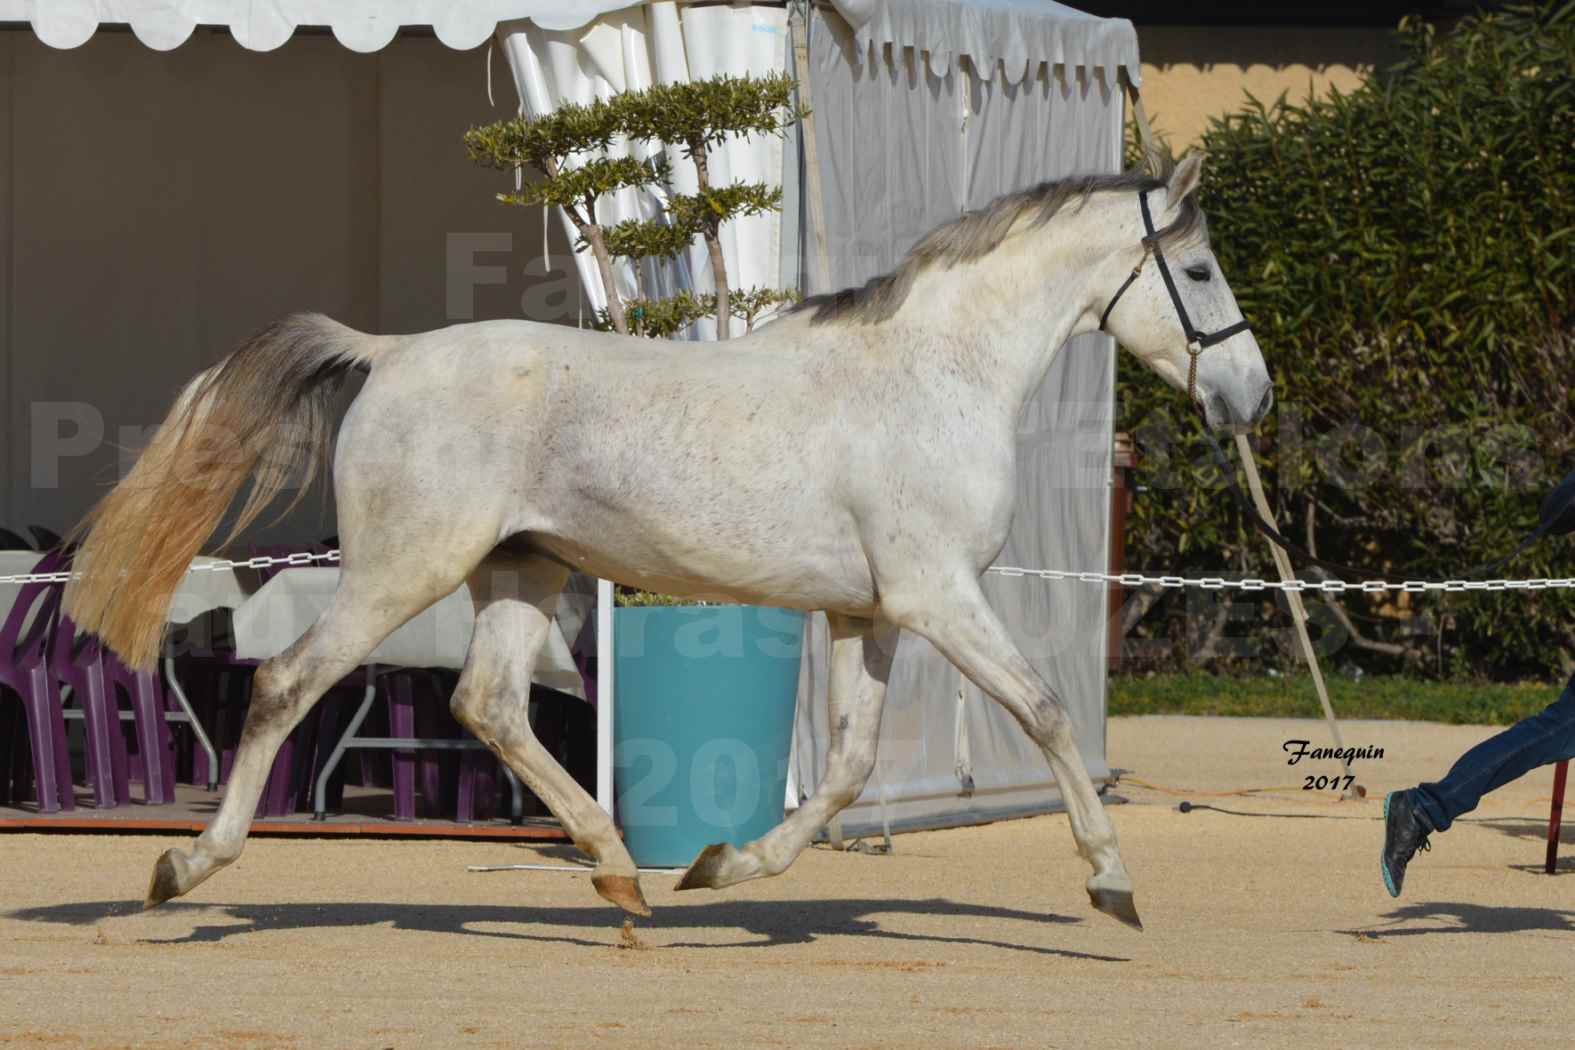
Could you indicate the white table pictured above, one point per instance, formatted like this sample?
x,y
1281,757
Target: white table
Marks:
x,y
270,621
280,612
15,563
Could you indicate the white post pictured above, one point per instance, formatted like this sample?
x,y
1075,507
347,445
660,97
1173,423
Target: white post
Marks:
x,y
604,694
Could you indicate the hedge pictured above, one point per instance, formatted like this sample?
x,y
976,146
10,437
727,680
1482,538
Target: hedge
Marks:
x,y
1406,254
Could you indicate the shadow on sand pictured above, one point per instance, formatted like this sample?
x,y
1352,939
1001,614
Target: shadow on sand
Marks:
x,y
1534,829
1525,827
1454,917
771,923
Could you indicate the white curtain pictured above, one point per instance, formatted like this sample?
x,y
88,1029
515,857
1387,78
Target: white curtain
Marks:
x,y
636,47
905,144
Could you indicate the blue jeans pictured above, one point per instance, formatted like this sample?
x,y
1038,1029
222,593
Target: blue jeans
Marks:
x,y
1536,741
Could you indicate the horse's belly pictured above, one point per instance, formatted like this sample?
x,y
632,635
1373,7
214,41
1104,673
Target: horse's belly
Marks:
x,y
817,570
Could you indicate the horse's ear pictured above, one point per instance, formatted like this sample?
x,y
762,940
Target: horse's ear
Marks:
x,y
1184,179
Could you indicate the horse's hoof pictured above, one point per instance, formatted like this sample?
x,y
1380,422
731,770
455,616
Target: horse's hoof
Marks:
x,y
168,879
710,869
624,891
1117,904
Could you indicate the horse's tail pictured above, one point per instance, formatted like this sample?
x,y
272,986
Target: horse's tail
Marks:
x,y
263,412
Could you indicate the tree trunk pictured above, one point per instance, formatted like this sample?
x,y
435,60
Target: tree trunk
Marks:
x,y
724,316
593,236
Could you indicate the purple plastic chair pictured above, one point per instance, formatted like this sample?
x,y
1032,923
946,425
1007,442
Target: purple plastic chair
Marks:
x,y
155,755
94,672
79,663
25,670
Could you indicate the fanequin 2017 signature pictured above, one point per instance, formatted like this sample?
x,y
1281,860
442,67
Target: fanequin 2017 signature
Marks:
x,y
1299,749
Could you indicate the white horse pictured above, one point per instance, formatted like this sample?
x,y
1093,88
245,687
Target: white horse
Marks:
x,y
857,457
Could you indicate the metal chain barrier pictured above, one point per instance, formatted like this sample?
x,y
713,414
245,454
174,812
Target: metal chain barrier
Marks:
x,y
1125,579
1220,583
297,560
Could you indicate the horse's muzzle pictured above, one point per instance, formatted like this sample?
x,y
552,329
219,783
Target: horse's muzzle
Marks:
x,y
1238,417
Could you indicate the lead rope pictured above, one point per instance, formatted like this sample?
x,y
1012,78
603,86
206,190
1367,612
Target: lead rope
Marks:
x,y
1282,561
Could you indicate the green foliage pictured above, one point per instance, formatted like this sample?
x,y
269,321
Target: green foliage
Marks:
x,y
563,150
542,142
577,188
707,210
1404,253
1382,696
703,113
750,305
648,239
626,597
665,318
662,318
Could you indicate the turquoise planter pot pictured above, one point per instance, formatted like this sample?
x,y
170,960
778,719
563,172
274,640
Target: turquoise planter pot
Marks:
x,y
702,723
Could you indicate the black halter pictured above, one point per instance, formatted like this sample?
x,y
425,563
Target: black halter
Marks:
x,y
1197,341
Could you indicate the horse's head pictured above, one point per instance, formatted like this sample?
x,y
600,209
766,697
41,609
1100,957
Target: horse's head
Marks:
x,y
1176,311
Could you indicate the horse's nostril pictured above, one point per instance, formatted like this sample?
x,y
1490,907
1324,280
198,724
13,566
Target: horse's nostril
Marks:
x,y
1266,404
1218,411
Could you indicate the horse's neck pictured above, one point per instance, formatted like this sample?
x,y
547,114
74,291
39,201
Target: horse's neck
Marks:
x,y
1010,311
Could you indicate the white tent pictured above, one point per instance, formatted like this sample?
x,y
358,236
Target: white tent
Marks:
x,y
921,109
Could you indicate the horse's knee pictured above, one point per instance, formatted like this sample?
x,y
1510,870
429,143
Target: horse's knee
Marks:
x,y
841,796
275,696
492,711
846,777
1048,720
469,707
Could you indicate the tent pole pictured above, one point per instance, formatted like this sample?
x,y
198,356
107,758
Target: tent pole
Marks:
x,y
1151,153
604,694
798,21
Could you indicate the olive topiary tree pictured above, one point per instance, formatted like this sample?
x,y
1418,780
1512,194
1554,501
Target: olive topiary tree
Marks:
x,y
1406,254
566,149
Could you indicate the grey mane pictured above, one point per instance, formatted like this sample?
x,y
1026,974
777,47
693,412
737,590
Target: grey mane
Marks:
x,y
977,233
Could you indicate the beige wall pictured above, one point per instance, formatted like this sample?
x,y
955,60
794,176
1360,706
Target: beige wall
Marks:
x,y
157,207
1192,73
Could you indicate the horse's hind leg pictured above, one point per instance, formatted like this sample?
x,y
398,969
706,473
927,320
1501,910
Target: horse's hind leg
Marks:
x,y
861,655
959,622
371,602
514,601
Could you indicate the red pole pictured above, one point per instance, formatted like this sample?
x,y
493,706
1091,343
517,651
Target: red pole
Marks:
x,y
1554,817
1124,460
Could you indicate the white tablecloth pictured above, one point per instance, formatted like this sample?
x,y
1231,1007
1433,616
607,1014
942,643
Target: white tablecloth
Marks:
x,y
208,589
15,563
269,621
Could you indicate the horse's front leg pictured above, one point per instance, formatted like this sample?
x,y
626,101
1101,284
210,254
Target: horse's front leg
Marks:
x,y
951,611
861,654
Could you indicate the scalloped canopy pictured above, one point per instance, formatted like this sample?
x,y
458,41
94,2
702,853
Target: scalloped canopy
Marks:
x,y
1019,35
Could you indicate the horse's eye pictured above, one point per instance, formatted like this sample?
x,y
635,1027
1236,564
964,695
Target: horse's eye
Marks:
x,y
1198,273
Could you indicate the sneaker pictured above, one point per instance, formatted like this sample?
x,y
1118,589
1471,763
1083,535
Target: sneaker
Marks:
x,y
1405,832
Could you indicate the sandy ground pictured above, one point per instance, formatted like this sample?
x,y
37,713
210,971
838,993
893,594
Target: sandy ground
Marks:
x,y
1264,930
